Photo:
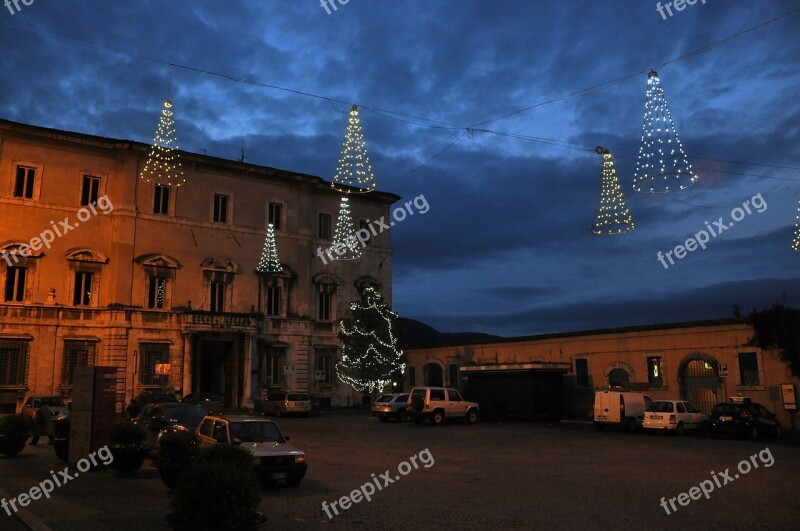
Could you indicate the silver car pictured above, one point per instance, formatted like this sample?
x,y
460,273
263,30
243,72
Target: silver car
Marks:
x,y
287,403
390,406
58,409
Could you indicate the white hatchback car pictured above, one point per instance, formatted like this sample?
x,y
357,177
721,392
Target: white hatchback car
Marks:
x,y
676,415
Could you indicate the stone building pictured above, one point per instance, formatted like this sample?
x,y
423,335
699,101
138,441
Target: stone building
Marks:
x,y
99,267
702,362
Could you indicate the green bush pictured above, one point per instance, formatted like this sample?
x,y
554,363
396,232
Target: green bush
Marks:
x,y
127,434
214,495
177,449
232,456
11,425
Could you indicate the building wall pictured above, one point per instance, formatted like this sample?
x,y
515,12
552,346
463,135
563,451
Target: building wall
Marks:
x,y
690,362
124,243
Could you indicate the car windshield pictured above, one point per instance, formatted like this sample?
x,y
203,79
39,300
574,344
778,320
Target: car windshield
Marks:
x,y
297,397
726,409
185,416
660,407
256,431
52,401
385,398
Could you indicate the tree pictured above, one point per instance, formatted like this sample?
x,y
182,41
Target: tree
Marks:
x,y
370,354
779,327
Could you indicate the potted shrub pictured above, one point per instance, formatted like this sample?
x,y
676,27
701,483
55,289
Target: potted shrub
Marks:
x,y
176,452
14,433
61,430
126,446
219,491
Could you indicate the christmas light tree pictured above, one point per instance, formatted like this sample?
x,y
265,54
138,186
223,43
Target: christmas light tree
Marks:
x,y
796,243
345,245
163,165
662,166
354,173
612,215
370,354
269,263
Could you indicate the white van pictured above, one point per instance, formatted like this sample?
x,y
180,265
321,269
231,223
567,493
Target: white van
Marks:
x,y
618,408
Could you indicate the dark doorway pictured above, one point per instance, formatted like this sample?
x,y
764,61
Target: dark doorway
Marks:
x,y
433,375
214,370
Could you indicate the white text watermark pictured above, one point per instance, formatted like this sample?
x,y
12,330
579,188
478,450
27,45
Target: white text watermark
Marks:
x,y
679,5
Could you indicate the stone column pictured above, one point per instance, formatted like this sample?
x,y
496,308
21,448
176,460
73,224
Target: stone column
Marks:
x,y
249,352
187,363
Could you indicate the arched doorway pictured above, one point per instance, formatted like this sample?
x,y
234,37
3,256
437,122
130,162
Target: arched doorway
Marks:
x,y
618,377
699,382
433,375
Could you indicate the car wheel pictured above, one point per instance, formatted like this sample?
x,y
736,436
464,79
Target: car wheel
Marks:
x,y
600,427
383,419
752,434
679,429
401,415
631,424
472,416
293,482
438,417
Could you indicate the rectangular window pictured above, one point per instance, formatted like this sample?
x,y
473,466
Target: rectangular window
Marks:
x,y
654,374
76,354
13,363
748,368
150,355
15,284
452,370
275,215
220,208
324,310
23,186
90,190
82,296
582,372
156,292
326,365
412,376
272,371
324,227
273,306
161,200
217,297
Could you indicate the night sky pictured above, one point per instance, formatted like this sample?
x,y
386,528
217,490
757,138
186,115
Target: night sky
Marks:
x,y
506,246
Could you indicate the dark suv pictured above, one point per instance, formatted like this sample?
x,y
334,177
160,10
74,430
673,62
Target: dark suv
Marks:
x,y
742,417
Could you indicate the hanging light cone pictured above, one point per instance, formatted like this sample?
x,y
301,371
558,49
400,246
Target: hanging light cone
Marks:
x,y
611,215
662,166
269,263
345,244
163,165
796,242
354,173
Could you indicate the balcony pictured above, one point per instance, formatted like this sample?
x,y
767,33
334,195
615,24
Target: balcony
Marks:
x,y
198,321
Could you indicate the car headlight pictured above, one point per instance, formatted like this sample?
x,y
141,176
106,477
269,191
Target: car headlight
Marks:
x,y
300,458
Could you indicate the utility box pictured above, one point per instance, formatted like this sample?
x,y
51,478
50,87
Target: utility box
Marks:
x,y
93,410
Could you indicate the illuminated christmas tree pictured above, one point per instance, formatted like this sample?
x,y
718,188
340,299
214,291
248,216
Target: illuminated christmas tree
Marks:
x,y
354,168
662,166
612,215
796,243
269,262
370,354
163,165
344,237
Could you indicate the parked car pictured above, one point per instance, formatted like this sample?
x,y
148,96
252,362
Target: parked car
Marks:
x,y
287,403
159,418
740,416
58,409
438,404
391,406
212,402
274,459
674,415
619,408
148,397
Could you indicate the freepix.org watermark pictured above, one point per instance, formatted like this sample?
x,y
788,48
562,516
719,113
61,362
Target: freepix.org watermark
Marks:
x,y
324,4
16,5
57,230
679,5
374,228
366,490
706,487
47,486
704,236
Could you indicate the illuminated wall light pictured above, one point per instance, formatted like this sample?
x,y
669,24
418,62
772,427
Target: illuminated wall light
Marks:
x,y
269,263
344,237
163,165
354,173
662,166
611,215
